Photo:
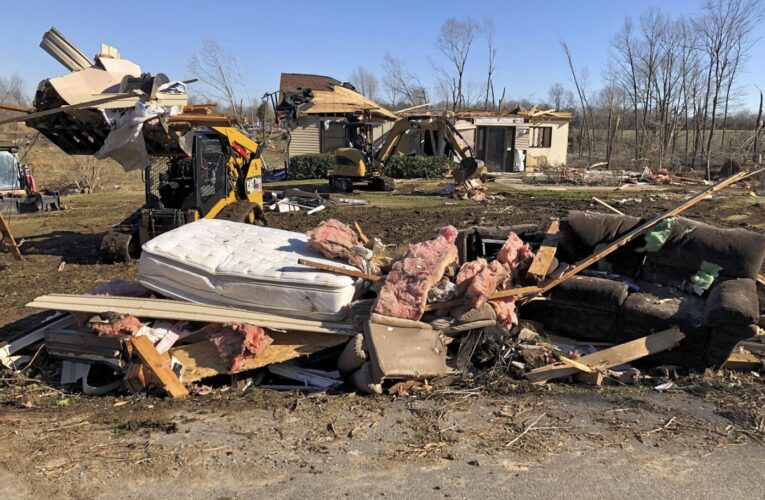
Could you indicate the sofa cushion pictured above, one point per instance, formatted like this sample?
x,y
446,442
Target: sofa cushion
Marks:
x,y
584,307
733,302
658,308
591,293
737,251
581,233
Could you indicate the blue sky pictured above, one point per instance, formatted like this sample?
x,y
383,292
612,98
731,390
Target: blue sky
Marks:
x,y
333,38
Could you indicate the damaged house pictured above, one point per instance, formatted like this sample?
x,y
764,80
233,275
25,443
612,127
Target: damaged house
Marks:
x,y
510,142
334,116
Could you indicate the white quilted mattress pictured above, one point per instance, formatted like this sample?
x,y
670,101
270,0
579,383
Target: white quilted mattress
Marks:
x,y
240,265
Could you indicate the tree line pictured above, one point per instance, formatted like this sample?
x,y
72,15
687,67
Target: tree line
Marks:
x,y
668,95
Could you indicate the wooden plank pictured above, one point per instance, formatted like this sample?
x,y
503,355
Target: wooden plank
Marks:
x,y
67,107
201,359
9,240
598,200
631,235
363,237
178,310
613,356
544,256
513,292
743,360
761,279
159,367
339,270
576,364
516,292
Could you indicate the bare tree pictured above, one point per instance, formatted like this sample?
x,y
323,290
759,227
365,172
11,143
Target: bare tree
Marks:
x,y
725,28
401,83
625,44
90,174
489,31
560,97
454,42
580,84
12,90
365,82
219,75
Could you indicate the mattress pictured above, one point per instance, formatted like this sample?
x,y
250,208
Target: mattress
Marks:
x,y
245,266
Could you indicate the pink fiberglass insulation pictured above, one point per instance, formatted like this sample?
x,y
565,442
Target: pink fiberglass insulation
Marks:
x,y
126,325
238,343
334,240
504,308
515,253
405,291
478,280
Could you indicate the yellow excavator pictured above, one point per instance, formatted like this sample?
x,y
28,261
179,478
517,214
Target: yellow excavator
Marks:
x,y
354,165
221,179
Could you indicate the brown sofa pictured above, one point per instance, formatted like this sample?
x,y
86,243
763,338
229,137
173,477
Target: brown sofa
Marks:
x,y
634,293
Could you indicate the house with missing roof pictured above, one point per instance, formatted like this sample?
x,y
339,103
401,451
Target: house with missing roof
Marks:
x,y
335,114
512,141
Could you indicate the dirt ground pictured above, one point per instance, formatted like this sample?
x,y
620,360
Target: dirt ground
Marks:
x,y
480,435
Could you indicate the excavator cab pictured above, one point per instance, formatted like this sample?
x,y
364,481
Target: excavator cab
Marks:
x,y
221,179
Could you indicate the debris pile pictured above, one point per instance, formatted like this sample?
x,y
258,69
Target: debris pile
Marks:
x,y
332,307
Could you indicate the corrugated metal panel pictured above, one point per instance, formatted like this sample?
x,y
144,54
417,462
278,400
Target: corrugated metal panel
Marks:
x,y
305,138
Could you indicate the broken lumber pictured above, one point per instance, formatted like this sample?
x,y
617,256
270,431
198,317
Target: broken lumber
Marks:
x,y
576,364
512,292
613,356
339,270
743,360
544,256
10,242
515,292
201,359
598,200
363,237
185,311
67,107
631,235
159,367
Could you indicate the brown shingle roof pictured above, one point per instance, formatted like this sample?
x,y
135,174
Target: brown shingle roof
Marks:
x,y
296,82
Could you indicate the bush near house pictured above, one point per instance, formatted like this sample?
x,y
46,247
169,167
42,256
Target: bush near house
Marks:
x,y
417,167
311,166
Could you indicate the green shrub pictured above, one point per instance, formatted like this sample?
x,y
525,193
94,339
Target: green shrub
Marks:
x,y
417,167
312,166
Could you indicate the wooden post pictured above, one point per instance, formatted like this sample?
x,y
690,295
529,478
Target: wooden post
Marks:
x,y
5,230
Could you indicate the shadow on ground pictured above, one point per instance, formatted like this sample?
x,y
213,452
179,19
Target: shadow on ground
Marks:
x,y
73,247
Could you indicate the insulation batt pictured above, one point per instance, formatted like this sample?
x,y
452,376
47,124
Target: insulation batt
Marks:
x,y
238,343
405,291
504,308
126,325
477,280
334,239
514,253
